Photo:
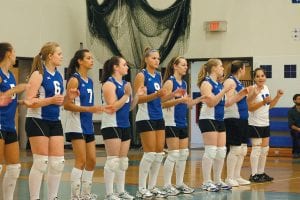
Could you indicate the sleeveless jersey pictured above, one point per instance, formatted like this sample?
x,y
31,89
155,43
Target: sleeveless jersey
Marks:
x,y
238,110
176,115
217,112
7,113
121,117
260,117
150,110
81,122
52,84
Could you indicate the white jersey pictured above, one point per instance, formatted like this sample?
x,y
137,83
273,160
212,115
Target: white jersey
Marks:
x,y
260,117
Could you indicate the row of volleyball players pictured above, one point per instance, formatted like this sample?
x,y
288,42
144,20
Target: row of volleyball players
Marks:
x,y
229,107
44,96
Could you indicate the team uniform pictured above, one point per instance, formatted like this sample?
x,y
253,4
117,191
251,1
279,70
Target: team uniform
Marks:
x,y
259,122
79,125
7,113
45,121
149,116
117,125
212,118
236,123
236,118
175,117
176,126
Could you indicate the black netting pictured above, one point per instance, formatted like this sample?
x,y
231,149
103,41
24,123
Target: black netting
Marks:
x,y
127,27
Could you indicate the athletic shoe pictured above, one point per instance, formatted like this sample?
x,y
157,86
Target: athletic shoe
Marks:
x,y
266,177
112,196
210,187
184,189
125,195
170,190
232,182
223,186
90,196
242,181
144,193
158,193
256,178
76,198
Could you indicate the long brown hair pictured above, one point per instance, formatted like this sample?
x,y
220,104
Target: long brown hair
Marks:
x,y
46,50
206,69
170,67
108,67
4,47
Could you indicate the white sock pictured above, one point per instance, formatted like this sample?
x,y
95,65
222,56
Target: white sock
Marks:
x,y
207,162
180,166
144,168
254,158
39,167
240,161
120,181
231,161
56,166
76,182
219,163
169,166
9,180
87,180
154,170
262,160
110,168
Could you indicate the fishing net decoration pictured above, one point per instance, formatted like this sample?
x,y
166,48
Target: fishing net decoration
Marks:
x,y
127,27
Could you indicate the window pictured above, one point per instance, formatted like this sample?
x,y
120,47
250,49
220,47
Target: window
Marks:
x,y
268,70
290,71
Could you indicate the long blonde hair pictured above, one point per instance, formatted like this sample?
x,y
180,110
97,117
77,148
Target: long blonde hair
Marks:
x,y
46,50
206,69
170,67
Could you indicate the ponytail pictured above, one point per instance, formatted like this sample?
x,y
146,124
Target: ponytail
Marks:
x,y
108,67
206,69
74,65
170,67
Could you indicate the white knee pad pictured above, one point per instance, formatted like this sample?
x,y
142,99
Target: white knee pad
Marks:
x,y
159,157
221,153
149,156
123,165
265,150
56,164
112,163
0,169
183,154
256,151
256,141
244,150
40,163
235,150
210,151
13,170
173,155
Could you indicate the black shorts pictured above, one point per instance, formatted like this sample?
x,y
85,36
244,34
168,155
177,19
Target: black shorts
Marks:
x,y
173,131
80,136
8,137
236,131
116,132
210,125
150,125
259,131
40,127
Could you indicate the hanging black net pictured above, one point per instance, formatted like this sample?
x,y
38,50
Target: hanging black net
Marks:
x,y
127,27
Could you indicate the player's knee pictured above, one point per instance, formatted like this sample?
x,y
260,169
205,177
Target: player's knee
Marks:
x,y
112,163
221,153
173,155
56,164
13,170
123,163
210,151
183,154
40,163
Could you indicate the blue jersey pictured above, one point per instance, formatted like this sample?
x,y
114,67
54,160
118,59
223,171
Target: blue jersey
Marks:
x,y
217,112
121,117
176,116
150,110
81,122
52,85
7,113
238,110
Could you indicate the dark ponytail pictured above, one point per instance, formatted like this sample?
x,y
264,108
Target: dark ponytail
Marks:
x,y
74,65
108,67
